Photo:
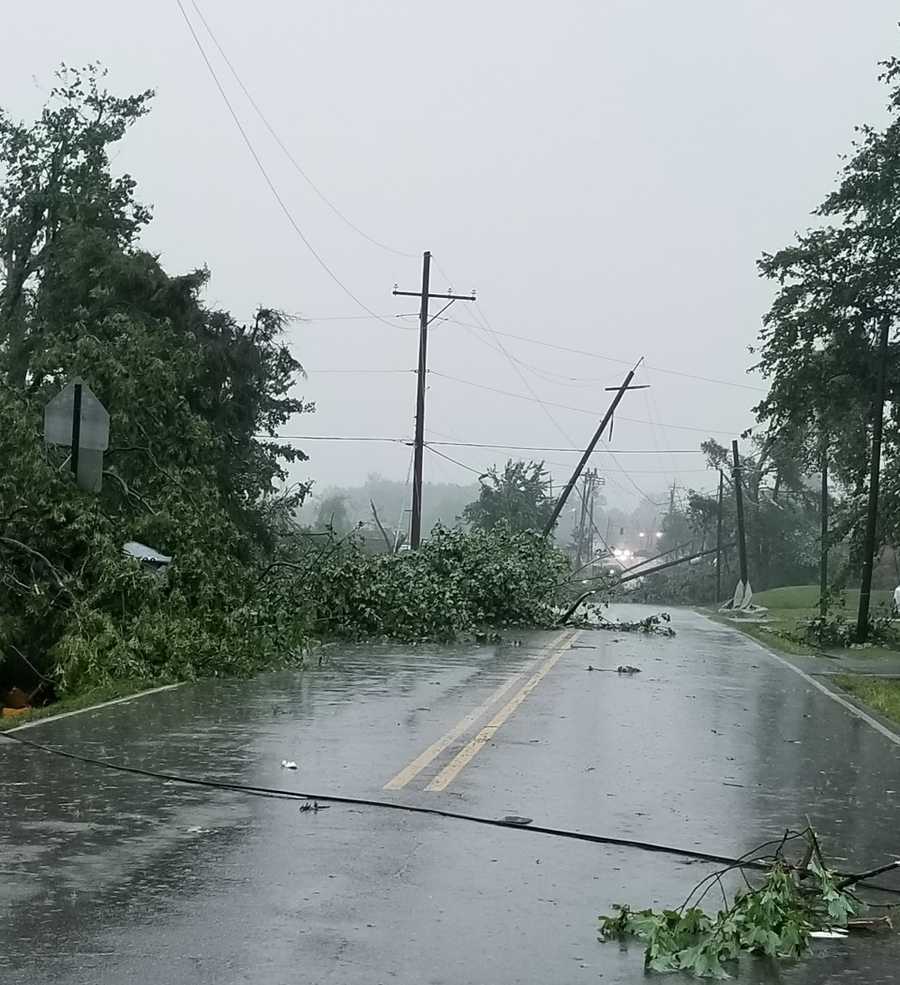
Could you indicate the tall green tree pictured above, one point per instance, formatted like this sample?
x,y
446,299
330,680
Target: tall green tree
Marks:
x,y
196,398
836,286
519,496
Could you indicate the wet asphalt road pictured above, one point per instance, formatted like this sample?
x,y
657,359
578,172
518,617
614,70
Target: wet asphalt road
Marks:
x,y
108,878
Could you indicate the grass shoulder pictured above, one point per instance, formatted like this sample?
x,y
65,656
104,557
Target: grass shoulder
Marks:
x,y
790,610
880,694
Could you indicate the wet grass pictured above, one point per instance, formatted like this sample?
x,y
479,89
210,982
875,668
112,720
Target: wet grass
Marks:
x,y
96,696
879,694
806,597
793,605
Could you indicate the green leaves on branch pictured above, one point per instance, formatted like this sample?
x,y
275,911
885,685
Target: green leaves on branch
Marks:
x,y
456,582
519,497
774,919
196,399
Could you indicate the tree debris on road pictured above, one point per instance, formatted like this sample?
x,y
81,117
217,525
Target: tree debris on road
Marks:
x,y
797,901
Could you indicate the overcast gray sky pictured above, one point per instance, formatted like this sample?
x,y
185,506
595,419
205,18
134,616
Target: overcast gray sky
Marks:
x,y
604,173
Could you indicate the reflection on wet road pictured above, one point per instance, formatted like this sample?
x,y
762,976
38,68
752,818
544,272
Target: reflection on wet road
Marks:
x,y
109,878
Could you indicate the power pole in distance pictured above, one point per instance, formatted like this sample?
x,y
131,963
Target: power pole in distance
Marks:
x,y
739,504
579,549
719,539
593,480
415,529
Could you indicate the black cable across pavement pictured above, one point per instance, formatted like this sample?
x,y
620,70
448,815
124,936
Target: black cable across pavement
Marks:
x,y
275,792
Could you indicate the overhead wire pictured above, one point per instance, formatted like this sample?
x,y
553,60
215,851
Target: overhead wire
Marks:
x,y
579,352
266,177
337,437
358,372
313,319
556,379
604,444
286,150
462,465
479,444
580,410
486,326
627,362
653,415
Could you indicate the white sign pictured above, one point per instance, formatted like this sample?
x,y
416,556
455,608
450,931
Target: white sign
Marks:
x,y
59,419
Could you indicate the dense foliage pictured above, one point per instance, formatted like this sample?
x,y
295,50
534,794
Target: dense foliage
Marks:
x,y
455,583
836,289
194,467
195,400
519,497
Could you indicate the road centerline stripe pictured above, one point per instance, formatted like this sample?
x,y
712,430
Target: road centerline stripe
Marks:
x,y
462,759
411,771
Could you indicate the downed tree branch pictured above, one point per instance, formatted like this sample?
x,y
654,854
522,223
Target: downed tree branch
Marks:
x,y
387,540
42,557
850,880
631,577
130,493
778,918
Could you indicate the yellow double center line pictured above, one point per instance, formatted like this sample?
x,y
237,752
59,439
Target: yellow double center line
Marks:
x,y
471,749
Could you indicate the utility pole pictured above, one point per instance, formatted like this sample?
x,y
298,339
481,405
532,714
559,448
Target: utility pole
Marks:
x,y
865,588
823,541
579,550
415,530
739,503
719,539
607,417
593,479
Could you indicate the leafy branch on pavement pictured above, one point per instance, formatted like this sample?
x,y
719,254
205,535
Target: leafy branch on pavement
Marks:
x,y
457,582
657,624
775,918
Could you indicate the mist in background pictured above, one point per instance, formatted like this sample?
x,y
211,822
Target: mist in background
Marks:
x,y
605,175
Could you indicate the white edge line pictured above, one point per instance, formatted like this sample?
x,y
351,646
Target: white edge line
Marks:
x,y
857,712
103,704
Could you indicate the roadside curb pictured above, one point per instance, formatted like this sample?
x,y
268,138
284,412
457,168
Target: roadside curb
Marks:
x,y
844,702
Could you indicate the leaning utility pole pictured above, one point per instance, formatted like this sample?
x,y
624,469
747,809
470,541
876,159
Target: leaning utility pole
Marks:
x,y
865,588
739,503
415,529
719,540
607,417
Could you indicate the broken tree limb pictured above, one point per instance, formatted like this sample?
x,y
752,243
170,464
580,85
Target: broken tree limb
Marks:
x,y
378,523
631,577
12,542
850,880
870,923
129,493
